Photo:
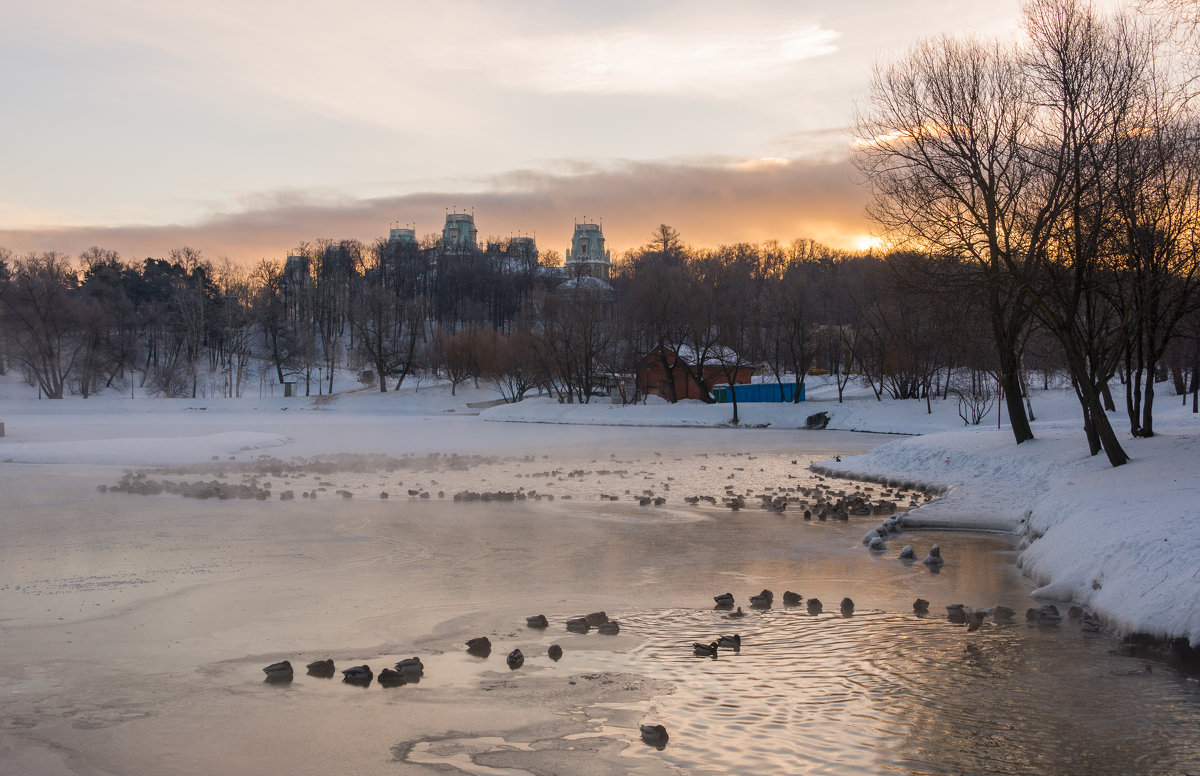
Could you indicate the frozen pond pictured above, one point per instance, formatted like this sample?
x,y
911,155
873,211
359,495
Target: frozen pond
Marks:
x,y
135,627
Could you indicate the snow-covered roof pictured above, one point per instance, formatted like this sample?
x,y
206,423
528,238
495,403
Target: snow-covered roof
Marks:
x,y
586,284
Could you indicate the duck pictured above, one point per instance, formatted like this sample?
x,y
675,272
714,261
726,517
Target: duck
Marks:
x,y
1045,615
610,628
738,613
1001,613
537,621
763,600
975,619
655,735
705,650
596,618
279,672
411,665
921,606
480,645
554,652
814,606
847,607
390,678
515,659
578,625
934,558
724,599
730,642
791,599
956,613
323,668
358,675
908,553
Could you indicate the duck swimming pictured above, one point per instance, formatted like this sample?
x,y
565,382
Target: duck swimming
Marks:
x,y
934,558
736,614
358,675
515,659
847,607
322,668
554,652
279,672
390,678
705,650
537,621
610,628
814,606
411,665
724,599
655,735
730,642
578,625
763,600
921,606
481,645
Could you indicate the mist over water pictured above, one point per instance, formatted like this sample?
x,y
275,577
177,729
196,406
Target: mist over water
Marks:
x,y
136,628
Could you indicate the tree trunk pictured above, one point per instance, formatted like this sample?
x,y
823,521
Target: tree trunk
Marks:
x,y
1010,378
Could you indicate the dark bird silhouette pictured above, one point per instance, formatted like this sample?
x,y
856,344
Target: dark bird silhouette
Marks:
x,y
705,650
655,735
763,600
481,646
279,672
390,678
321,668
814,606
515,659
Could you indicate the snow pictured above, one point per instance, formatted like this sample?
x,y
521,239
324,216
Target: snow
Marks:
x,y
1122,542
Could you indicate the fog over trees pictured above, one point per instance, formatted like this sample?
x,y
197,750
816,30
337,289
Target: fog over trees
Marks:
x,y
1040,196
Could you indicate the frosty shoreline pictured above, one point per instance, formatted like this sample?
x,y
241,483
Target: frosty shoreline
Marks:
x,y
1123,542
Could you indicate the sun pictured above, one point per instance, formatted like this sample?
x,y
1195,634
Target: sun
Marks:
x,y
865,242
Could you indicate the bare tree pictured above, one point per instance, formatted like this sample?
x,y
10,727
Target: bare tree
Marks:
x,y
943,145
43,319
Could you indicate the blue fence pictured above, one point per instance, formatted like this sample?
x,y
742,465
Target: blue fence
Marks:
x,y
757,392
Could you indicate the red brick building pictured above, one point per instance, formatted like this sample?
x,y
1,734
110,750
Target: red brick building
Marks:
x,y
662,366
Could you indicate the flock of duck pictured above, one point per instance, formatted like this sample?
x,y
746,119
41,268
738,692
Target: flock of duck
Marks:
x,y
410,670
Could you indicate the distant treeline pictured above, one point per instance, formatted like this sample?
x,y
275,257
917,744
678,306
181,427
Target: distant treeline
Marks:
x,y
909,325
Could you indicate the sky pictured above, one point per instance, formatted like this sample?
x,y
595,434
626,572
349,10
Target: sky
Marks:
x,y
244,129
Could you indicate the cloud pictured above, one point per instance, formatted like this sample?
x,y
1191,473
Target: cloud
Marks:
x,y
676,60
710,202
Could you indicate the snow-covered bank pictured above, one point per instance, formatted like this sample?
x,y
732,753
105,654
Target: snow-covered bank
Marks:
x,y
1123,542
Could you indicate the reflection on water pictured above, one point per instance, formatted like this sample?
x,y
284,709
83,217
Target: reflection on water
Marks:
x,y
881,692
371,580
